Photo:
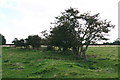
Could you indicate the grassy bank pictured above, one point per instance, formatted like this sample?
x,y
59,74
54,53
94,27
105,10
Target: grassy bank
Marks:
x,y
18,63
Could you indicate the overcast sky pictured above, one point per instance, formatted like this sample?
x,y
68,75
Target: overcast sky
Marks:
x,y
20,18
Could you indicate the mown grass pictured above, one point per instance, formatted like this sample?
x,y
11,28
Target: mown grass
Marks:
x,y
23,63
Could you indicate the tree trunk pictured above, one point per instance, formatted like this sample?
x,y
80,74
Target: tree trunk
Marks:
x,y
64,50
81,51
84,52
75,51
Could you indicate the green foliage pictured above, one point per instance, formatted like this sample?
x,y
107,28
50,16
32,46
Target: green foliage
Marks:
x,y
63,34
19,43
116,42
34,41
28,63
2,39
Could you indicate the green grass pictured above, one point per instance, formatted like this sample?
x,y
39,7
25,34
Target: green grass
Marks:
x,y
17,63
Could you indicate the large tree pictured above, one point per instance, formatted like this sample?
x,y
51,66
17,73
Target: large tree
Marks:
x,y
77,31
2,39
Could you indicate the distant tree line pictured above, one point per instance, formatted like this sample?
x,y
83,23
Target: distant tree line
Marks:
x,y
33,41
116,42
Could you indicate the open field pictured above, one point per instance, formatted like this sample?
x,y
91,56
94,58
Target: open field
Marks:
x,y
21,63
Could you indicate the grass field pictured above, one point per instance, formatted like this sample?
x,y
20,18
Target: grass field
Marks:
x,y
20,63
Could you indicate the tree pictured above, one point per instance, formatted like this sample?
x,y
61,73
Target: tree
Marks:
x,y
19,43
15,42
34,41
2,39
74,30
